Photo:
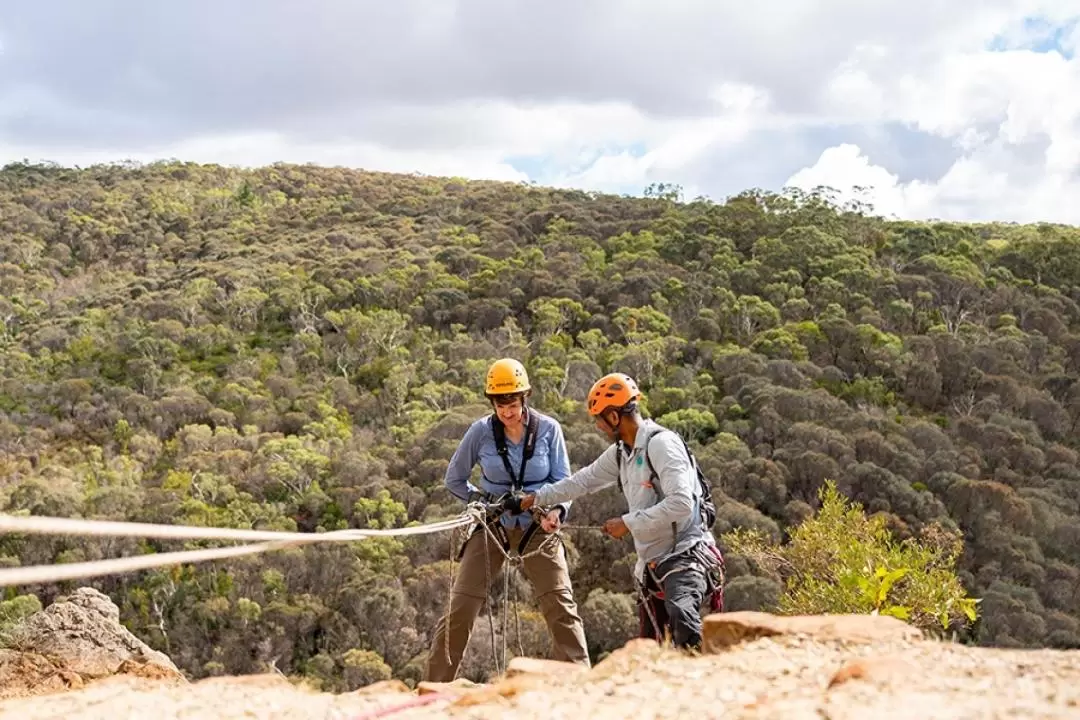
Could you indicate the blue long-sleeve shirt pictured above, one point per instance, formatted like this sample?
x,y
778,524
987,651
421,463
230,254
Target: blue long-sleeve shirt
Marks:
x,y
549,463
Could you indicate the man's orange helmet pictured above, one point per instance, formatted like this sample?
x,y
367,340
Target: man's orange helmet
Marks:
x,y
612,392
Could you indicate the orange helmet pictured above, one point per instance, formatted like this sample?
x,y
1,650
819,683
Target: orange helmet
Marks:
x,y
612,392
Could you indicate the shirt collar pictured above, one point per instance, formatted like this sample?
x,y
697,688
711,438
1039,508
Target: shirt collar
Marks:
x,y
642,432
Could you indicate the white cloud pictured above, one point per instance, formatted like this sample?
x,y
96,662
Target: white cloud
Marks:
x,y
1070,41
1014,117
845,166
672,144
609,95
255,149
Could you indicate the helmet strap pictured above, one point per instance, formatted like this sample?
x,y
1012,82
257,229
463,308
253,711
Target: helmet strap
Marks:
x,y
614,428
622,412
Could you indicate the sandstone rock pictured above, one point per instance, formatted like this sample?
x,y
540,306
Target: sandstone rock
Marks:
x,y
383,687
523,674
94,601
505,690
457,686
258,682
724,630
26,673
879,670
149,670
32,674
537,666
82,634
635,654
783,677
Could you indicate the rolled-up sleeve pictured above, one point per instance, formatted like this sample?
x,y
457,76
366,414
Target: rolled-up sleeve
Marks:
x,y
462,463
559,460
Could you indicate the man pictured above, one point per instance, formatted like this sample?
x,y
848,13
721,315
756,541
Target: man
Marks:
x,y
674,547
517,448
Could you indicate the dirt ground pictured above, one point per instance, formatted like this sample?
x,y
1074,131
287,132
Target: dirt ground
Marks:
x,y
790,676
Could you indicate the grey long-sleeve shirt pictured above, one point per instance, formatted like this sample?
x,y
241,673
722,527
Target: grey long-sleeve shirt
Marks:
x,y
659,529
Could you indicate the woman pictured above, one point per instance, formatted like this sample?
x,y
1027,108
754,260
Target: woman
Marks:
x,y
537,439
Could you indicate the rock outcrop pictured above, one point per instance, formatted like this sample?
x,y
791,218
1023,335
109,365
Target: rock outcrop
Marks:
x,y
756,666
75,640
723,630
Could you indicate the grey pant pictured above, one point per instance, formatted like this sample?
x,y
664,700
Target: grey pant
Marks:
x,y
675,607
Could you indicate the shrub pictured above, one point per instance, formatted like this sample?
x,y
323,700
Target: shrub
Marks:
x,y
841,561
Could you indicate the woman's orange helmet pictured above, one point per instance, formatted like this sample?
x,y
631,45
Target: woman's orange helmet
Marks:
x,y
612,392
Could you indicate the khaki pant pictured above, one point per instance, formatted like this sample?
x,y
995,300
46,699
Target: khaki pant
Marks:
x,y
549,576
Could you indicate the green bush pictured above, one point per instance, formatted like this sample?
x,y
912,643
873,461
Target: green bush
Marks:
x,y
12,613
841,561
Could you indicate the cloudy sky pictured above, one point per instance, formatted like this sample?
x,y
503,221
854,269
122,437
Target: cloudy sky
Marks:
x,y
958,109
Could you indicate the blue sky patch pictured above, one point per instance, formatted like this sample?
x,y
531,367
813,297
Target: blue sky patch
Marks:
x,y
545,167
532,165
1038,35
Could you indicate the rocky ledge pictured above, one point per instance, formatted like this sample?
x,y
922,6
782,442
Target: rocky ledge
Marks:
x,y
72,642
754,665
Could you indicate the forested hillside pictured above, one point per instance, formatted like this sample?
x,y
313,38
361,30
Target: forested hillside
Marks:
x,y
301,348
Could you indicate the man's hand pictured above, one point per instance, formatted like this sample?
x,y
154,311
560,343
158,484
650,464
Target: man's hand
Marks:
x,y
552,521
616,528
528,501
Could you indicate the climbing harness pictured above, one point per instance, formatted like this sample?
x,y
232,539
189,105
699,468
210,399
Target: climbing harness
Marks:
x,y
704,557
532,429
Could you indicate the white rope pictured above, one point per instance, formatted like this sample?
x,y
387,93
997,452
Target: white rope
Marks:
x,y
77,526
70,571
510,561
69,526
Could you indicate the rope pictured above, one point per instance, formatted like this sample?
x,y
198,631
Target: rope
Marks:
x,y
646,601
449,599
510,560
277,540
487,601
517,620
407,705
506,610
76,526
267,540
